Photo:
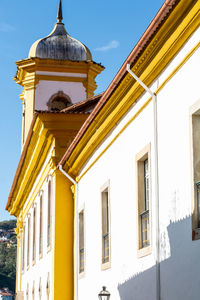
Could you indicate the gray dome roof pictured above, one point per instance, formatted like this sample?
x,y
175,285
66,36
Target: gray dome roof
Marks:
x,y
60,45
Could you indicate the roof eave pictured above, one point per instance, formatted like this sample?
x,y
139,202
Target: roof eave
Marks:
x,y
159,19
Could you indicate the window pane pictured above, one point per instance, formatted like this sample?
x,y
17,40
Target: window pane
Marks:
x,y
28,241
34,232
41,225
145,229
146,184
105,227
81,241
49,214
23,249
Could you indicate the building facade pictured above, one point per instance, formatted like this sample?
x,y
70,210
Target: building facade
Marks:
x,y
137,167
109,195
58,81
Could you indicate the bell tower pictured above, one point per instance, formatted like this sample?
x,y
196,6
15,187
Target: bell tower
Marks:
x,y
58,72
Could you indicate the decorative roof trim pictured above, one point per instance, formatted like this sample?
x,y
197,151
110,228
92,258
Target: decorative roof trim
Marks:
x,y
26,147
148,35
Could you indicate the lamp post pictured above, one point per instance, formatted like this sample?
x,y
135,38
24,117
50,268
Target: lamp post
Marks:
x,y
104,294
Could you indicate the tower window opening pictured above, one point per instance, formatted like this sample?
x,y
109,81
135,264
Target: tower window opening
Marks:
x,y
58,101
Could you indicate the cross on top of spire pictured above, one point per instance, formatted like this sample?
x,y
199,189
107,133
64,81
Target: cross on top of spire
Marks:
x,y
60,17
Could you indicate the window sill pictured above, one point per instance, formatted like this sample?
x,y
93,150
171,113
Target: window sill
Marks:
x,y
48,249
196,234
144,251
81,275
105,266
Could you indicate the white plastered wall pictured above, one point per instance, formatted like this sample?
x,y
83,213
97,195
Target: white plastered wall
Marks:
x,y
46,88
131,277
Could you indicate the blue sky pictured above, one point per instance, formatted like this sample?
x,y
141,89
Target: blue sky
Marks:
x,y
110,29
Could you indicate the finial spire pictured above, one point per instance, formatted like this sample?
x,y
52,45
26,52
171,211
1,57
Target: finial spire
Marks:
x,y
59,17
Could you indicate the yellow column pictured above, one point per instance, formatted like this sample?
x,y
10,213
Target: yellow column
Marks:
x,y
64,237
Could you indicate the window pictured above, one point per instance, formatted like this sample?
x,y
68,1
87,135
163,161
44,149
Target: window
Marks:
x,y
33,291
49,213
40,289
48,287
23,247
198,202
28,240
34,233
143,200
59,101
41,225
195,150
27,291
81,242
105,227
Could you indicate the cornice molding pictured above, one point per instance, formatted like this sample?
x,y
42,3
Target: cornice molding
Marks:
x,y
170,38
29,66
49,130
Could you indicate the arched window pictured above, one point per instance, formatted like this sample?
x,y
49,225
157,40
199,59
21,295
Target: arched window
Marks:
x,y
58,101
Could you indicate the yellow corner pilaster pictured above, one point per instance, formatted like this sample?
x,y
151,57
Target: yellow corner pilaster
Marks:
x,y
64,228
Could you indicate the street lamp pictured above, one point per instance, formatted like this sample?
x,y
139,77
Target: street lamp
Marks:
x,y
104,295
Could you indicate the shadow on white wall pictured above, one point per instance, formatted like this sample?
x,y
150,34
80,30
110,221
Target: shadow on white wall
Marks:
x,y
180,273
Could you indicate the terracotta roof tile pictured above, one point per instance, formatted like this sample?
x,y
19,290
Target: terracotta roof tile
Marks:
x,y
85,105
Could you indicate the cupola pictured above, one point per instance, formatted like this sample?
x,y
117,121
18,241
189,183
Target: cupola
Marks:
x,y
59,72
59,45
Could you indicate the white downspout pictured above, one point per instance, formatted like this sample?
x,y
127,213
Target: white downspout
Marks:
x,y
76,231
154,99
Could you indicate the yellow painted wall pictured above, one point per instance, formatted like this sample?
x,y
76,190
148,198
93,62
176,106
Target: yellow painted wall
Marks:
x,y
30,100
64,228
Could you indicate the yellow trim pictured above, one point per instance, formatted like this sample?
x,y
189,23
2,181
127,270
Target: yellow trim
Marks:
x,y
28,78
114,139
32,168
26,69
21,259
37,189
194,49
184,60
161,50
64,238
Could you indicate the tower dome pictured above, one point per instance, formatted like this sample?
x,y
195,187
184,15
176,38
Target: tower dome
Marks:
x,y
59,45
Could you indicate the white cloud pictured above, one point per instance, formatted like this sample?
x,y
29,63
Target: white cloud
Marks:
x,y
111,45
4,27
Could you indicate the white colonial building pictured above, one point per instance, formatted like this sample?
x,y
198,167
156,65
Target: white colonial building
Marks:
x,y
136,161
58,81
110,195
